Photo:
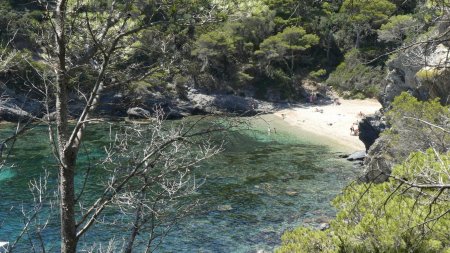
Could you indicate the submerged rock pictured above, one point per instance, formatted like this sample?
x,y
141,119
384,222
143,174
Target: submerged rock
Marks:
x,y
292,193
224,208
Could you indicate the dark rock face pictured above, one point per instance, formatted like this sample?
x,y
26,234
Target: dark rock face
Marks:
x,y
370,128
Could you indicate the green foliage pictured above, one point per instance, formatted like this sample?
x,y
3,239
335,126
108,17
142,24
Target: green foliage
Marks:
x,y
428,73
304,240
286,42
398,28
409,115
240,44
320,73
354,76
387,217
284,46
367,12
362,16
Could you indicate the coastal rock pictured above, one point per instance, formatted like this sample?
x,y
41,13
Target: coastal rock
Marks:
x,y
357,156
424,75
379,162
114,103
370,128
225,103
14,114
138,113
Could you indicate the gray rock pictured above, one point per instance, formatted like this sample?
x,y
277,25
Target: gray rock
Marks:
x,y
357,156
379,162
432,66
14,114
224,208
138,113
324,226
49,117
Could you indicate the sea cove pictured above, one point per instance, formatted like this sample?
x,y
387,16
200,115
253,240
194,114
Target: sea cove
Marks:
x,y
261,185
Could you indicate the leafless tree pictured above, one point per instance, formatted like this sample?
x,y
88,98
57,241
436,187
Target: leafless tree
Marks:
x,y
149,166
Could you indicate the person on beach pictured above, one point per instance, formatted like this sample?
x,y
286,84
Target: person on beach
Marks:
x,y
336,101
355,129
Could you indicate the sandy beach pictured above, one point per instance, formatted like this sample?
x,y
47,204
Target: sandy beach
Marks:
x,y
331,121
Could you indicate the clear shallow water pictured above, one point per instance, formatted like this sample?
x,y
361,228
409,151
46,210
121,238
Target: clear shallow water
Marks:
x,y
257,188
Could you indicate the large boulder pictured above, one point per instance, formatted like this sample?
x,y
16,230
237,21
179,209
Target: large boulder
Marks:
x,y
357,156
138,113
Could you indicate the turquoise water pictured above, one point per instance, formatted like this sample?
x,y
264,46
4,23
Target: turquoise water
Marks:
x,y
257,188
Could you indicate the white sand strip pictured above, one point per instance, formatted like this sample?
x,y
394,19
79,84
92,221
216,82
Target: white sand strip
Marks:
x,y
331,121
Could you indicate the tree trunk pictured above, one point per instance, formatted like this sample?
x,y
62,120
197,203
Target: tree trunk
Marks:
x,y
329,41
358,38
134,230
67,205
67,155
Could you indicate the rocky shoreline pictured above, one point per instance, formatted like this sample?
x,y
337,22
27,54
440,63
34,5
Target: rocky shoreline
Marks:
x,y
21,107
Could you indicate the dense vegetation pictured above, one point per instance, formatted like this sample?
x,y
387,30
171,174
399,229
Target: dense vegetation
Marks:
x,y
407,213
244,47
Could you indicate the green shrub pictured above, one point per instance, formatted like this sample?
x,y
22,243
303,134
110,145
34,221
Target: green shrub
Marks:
x,y
355,77
320,73
387,217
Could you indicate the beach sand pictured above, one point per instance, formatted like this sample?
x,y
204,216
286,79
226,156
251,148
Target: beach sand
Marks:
x,y
332,122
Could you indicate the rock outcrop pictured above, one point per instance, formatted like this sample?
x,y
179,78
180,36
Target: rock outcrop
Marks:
x,y
378,162
422,69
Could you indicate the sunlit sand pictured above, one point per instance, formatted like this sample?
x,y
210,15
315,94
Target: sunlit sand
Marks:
x,y
331,121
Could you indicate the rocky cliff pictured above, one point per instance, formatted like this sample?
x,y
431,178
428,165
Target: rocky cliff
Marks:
x,y
423,70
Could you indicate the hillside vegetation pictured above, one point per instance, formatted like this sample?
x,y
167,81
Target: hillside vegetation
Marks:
x,y
264,48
